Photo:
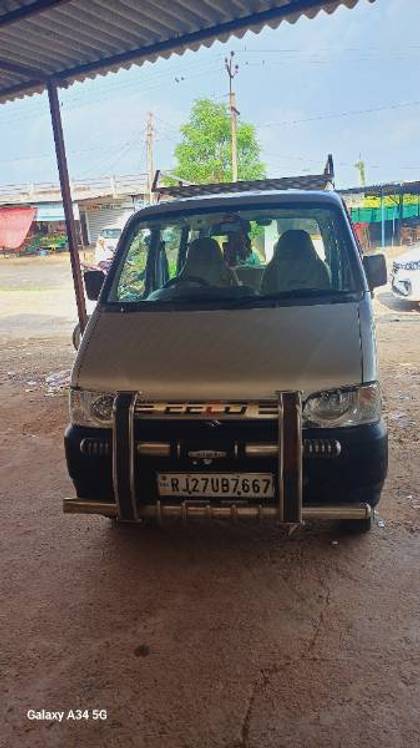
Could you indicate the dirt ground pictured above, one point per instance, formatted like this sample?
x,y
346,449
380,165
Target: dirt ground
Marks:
x,y
203,637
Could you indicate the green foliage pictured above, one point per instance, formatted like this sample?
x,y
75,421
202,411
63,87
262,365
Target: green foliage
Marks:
x,y
204,155
131,282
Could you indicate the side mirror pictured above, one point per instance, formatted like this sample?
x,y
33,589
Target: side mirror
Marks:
x,y
94,280
375,269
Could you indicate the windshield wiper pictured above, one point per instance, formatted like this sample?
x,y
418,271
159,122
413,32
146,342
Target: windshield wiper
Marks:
x,y
304,292
251,299
223,298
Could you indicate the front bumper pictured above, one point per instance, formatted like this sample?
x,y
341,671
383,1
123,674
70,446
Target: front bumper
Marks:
x,y
186,511
342,473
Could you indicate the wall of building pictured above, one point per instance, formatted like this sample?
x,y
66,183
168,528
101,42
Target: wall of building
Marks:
x,y
98,215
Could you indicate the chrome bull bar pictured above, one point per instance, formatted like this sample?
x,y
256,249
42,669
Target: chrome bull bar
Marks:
x,y
288,508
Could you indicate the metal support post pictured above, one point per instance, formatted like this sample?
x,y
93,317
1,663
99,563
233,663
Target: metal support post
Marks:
x,y
400,214
60,152
382,219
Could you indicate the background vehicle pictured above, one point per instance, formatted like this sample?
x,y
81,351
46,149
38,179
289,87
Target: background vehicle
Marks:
x,y
106,243
206,386
405,278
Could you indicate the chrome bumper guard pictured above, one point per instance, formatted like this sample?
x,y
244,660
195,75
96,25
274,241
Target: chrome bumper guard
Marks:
x,y
186,511
289,451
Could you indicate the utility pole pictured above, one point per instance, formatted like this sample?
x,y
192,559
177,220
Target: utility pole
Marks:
x,y
233,70
150,136
361,168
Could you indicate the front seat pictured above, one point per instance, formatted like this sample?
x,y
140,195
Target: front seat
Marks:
x,y
295,265
205,260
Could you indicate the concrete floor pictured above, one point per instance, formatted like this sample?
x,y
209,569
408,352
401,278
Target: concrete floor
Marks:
x,y
200,637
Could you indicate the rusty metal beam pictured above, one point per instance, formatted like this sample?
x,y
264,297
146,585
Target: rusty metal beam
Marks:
x,y
60,152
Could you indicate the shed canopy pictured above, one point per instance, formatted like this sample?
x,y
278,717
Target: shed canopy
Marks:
x,y
71,40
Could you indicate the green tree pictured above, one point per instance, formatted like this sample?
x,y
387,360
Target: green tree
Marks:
x,y
204,154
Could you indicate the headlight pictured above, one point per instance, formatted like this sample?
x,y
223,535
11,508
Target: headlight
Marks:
x,y
348,406
91,408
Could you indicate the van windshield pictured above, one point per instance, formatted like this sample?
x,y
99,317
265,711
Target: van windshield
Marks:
x,y
250,256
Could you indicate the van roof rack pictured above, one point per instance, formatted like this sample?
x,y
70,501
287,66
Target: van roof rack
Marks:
x,y
324,181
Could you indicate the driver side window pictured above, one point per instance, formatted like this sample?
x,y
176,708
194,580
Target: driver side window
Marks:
x,y
131,283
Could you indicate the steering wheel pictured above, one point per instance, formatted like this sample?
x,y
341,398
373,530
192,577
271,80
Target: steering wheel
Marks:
x,y
188,279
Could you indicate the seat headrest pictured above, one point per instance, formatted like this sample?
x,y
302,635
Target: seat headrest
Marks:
x,y
294,243
204,252
205,260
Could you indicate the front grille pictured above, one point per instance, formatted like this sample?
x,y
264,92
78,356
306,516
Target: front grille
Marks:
x,y
411,265
181,449
199,410
186,437
414,265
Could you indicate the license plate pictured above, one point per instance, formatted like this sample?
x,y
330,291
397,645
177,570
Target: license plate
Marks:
x,y
217,485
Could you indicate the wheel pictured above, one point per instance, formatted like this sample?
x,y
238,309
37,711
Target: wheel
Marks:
x,y
357,526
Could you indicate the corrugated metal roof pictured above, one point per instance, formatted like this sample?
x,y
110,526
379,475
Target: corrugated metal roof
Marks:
x,y
388,188
75,39
312,182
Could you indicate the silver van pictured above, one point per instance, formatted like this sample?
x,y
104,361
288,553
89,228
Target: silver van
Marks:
x,y
229,368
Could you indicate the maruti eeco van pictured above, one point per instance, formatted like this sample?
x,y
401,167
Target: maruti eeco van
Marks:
x,y
229,368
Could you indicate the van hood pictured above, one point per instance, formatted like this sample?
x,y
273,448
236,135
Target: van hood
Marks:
x,y
223,354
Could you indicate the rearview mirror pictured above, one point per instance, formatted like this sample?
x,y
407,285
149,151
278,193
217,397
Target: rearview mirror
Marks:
x,y
375,269
94,280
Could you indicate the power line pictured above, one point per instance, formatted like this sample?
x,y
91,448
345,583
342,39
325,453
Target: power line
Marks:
x,y
50,154
331,50
337,115
89,98
111,161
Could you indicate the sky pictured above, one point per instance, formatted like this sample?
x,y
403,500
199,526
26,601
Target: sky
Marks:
x,y
346,84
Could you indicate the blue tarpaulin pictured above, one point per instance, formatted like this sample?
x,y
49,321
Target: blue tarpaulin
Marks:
x,y
50,212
